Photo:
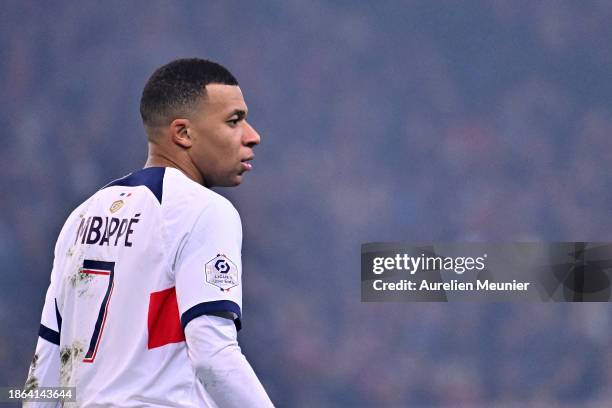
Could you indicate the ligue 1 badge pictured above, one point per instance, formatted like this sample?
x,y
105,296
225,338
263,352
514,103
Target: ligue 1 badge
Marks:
x,y
221,272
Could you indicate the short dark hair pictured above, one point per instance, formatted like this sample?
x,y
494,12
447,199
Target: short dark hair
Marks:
x,y
176,87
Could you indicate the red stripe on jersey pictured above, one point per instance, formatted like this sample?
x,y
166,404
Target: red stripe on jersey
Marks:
x,y
164,320
94,272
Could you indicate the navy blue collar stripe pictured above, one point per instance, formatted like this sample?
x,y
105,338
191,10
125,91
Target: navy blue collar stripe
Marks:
x,y
151,177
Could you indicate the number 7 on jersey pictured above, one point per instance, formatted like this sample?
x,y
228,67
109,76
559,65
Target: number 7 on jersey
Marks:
x,y
101,269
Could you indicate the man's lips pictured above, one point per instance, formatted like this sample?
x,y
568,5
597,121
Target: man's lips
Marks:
x,y
245,163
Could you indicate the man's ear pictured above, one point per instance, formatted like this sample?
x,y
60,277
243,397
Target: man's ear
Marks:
x,y
179,129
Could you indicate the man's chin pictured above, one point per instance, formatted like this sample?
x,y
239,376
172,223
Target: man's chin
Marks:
x,y
231,181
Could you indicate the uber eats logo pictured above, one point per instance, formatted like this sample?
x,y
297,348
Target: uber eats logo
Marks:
x,y
222,273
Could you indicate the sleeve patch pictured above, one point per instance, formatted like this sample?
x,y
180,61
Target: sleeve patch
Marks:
x,y
222,273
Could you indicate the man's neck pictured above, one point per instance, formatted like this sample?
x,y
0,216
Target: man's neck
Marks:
x,y
187,168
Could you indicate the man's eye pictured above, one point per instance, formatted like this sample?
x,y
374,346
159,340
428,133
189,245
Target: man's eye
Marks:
x,y
234,122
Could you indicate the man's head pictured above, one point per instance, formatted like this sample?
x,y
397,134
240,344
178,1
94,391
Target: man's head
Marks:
x,y
195,118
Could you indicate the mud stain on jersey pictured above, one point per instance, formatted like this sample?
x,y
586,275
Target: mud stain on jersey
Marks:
x,y
80,278
32,382
68,355
80,281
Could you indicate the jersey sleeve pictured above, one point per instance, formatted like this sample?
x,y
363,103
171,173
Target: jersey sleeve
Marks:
x,y
51,319
220,365
208,271
44,369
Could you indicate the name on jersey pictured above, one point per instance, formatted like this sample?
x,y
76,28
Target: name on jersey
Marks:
x,y
106,230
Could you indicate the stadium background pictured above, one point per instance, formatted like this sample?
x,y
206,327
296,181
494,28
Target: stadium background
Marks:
x,y
412,121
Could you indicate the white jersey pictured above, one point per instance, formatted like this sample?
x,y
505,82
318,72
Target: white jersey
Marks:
x,y
133,265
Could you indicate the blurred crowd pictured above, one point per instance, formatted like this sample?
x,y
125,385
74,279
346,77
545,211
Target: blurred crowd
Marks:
x,y
412,121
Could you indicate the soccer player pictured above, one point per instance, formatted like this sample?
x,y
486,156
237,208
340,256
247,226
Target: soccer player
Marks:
x,y
145,298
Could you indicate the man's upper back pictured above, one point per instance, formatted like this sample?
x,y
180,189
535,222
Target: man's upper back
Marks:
x,y
133,265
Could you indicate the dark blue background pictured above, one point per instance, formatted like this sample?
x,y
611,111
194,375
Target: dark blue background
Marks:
x,y
380,121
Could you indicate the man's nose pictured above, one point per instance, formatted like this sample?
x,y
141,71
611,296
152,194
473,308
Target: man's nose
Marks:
x,y
251,137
